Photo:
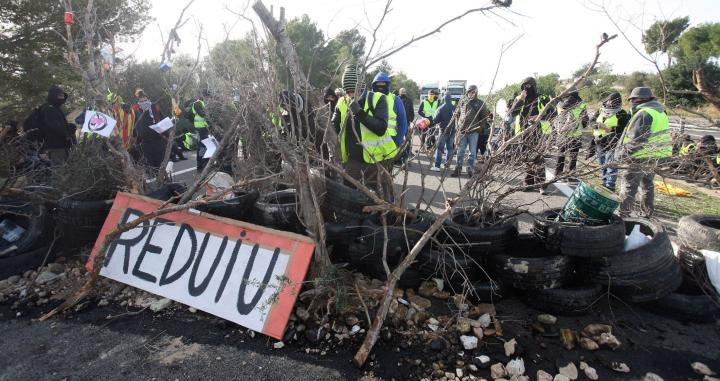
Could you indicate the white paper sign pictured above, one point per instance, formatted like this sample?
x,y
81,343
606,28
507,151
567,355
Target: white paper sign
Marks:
x,y
210,147
99,123
162,125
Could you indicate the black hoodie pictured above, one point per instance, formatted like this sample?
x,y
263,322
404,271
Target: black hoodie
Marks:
x,y
57,132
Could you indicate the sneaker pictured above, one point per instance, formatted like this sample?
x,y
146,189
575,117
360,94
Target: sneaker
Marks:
x,y
434,169
456,172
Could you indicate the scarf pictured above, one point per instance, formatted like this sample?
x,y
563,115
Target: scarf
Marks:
x,y
146,105
608,112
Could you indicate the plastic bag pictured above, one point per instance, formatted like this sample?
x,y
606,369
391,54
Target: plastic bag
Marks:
x,y
636,239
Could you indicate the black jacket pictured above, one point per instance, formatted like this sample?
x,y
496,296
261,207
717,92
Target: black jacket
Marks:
x,y
150,144
409,111
609,141
376,123
56,131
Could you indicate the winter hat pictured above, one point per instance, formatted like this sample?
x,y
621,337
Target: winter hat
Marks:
x,y
350,78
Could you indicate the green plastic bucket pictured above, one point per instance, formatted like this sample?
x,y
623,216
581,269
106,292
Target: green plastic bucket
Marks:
x,y
590,205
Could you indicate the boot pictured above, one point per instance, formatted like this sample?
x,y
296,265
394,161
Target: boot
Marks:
x,y
456,172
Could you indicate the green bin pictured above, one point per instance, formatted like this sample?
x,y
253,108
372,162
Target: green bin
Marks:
x,y
590,205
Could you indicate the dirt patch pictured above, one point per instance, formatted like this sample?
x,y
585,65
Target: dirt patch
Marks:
x,y
171,350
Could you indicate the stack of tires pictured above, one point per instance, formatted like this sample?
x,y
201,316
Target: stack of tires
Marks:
x,y
25,236
564,268
696,299
80,222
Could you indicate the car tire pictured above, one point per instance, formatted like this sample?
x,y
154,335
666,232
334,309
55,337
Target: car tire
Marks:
x,y
279,210
700,231
530,266
239,207
579,240
19,263
482,240
36,221
566,301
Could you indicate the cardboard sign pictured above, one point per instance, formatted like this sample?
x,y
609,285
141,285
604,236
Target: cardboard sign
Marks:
x,y
241,272
99,123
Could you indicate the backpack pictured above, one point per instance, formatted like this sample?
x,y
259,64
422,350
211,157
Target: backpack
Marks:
x,y
32,126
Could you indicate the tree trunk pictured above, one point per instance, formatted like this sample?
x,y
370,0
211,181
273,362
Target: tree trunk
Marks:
x,y
710,94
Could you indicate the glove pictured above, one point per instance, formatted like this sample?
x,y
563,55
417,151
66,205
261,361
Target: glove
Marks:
x,y
355,107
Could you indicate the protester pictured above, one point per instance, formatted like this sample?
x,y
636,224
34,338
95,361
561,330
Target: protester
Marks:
x,y
408,103
9,131
646,142
362,149
50,126
124,117
149,143
427,109
686,163
525,109
199,117
473,120
610,122
397,120
330,99
571,121
446,139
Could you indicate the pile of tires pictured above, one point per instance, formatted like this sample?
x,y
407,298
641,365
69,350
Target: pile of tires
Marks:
x,y
238,207
478,236
342,208
279,210
26,236
80,222
649,272
696,299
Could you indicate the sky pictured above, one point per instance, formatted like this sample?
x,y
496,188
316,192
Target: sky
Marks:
x,y
552,35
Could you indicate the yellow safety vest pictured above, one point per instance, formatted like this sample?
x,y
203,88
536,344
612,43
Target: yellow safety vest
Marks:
x,y
392,116
199,121
603,125
545,126
659,143
576,132
686,148
430,108
375,148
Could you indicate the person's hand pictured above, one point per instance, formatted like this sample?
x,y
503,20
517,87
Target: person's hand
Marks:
x,y
354,107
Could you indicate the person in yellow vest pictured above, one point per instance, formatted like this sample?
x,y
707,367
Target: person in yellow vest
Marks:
x,y
645,142
609,124
427,109
362,126
200,122
124,116
525,109
571,121
686,157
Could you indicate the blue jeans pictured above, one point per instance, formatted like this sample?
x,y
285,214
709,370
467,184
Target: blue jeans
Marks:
x,y
444,144
468,141
609,173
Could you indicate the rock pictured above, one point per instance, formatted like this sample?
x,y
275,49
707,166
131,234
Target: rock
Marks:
x,y
515,368
410,292
442,295
473,367
481,361
489,332
302,313
497,370
520,378
55,268
14,279
437,345
544,376
351,320
560,377
279,345
46,277
568,337
592,330
401,313
103,303
570,371
427,289
419,303
192,310
459,372
589,344
355,329
702,369
478,332
620,367
609,340
484,320
650,376
159,305
463,326
589,371
510,347
547,319
469,342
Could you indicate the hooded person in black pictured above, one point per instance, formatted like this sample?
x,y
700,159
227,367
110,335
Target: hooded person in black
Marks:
x,y
58,135
525,109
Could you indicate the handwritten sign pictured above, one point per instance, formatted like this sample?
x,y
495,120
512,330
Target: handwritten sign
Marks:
x,y
241,272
